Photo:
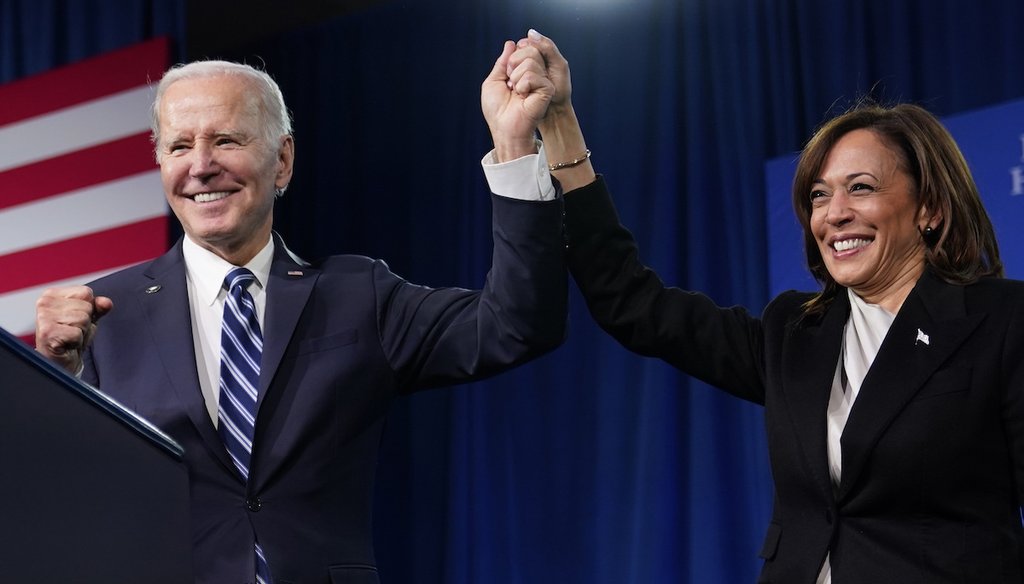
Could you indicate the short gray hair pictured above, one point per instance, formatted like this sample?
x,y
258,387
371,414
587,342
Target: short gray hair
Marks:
x,y
269,98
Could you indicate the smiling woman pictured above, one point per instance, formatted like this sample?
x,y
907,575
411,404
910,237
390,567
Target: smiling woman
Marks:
x,y
921,206
866,220
894,396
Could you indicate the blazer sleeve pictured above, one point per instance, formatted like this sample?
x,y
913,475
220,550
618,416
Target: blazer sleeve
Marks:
x,y
440,336
721,346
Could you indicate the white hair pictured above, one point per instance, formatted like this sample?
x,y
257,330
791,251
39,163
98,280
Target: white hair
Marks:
x,y
270,101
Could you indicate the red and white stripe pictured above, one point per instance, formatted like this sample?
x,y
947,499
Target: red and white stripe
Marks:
x,y
80,193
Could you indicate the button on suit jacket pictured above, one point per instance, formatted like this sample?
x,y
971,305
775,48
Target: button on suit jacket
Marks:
x,y
342,337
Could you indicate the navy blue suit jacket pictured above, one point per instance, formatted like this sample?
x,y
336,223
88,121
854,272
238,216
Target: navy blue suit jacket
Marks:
x,y
342,338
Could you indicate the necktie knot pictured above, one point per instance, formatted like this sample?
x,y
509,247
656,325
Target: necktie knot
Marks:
x,y
239,277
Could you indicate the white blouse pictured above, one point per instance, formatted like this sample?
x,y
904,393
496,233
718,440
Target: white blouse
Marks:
x,y
862,337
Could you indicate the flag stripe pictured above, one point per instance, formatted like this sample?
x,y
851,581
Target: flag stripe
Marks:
x,y
80,212
76,170
84,81
18,309
127,244
80,193
81,126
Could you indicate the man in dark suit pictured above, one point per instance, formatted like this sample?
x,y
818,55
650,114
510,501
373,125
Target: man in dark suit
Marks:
x,y
339,337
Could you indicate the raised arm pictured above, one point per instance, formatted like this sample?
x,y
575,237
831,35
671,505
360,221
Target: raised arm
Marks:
x,y
560,129
514,99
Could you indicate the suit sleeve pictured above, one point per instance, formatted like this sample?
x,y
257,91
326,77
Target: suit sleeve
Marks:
x,y
440,336
721,346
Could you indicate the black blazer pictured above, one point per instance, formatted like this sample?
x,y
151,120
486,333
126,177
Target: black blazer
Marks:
x,y
342,337
933,451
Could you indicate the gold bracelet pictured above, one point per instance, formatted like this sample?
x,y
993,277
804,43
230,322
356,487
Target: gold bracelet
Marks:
x,y
571,163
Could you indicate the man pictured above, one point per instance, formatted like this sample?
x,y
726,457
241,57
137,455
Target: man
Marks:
x,y
277,382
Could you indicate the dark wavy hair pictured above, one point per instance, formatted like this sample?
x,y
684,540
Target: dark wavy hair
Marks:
x,y
964,247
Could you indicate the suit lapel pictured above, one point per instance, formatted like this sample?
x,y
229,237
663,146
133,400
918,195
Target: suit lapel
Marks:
x,y
163,297
930,326
290,284
809,366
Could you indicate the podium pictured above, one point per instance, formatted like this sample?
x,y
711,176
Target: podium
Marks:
x,y
89,491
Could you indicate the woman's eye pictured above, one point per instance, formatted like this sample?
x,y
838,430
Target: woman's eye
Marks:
x,y
861,187
817,195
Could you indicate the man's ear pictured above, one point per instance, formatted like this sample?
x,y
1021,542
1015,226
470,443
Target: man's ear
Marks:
x,y
285,160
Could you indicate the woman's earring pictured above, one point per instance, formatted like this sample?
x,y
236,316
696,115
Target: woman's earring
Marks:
x,y
930,235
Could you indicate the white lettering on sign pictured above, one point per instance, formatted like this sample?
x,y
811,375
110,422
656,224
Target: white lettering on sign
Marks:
x,y
1017,173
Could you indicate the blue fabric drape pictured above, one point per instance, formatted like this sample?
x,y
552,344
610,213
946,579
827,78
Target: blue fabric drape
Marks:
x,y
37,35
590,465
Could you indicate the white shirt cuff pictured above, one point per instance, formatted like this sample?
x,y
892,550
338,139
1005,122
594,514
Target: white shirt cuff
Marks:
x,y
526,178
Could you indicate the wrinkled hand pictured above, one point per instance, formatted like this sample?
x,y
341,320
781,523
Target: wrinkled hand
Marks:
x,y
554,65
560,129
514,99
66,322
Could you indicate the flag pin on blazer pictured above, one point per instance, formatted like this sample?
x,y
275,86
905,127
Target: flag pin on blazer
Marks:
x,y
294,272
921,338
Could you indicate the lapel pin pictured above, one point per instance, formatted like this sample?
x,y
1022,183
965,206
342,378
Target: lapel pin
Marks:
x,y
294,272
921,338
152,289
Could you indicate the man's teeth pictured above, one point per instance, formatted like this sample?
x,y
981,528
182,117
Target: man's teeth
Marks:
x,y
848,244
209,197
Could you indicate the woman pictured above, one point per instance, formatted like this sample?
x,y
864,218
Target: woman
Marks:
x,y
894,396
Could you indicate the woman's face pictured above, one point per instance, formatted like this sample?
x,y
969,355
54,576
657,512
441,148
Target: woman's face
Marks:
x,y
865,220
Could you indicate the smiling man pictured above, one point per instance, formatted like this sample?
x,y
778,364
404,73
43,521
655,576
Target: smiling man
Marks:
x,y
275,374
221,155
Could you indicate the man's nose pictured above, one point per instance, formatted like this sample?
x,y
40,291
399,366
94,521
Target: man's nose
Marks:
x,y
203,161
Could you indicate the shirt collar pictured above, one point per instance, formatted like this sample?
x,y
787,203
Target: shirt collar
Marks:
x,y
207,270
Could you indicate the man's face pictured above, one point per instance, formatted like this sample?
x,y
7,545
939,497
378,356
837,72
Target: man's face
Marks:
x,y
218,171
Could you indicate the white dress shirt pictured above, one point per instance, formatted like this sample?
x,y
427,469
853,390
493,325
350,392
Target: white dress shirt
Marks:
x,y
525,178
204,276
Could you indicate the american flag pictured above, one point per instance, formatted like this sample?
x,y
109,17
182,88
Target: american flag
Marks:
x,y
80,193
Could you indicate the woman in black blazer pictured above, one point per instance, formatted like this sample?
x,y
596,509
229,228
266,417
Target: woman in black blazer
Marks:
x,y
894,396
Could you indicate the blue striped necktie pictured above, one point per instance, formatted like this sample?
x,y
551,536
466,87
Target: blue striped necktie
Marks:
x,y
241,350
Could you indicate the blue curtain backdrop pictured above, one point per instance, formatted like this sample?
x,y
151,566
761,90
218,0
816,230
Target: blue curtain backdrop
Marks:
x,y
590,465
37,35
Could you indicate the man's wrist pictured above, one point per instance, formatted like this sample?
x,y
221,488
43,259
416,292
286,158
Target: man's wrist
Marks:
x,y
509,150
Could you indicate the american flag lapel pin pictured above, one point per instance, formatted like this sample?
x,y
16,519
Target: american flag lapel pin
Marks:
x,y
921,338
294,272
